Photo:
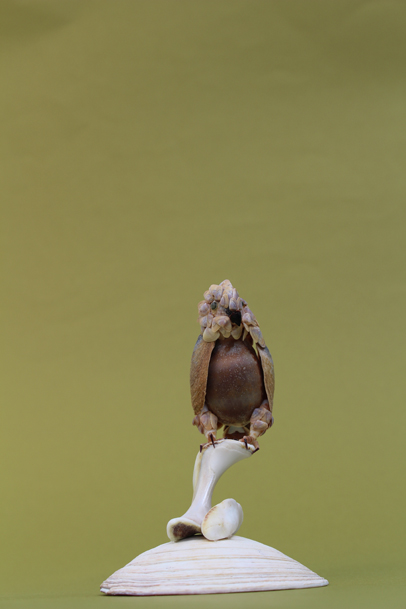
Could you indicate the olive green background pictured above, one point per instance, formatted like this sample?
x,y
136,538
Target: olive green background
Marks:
x,y
149,149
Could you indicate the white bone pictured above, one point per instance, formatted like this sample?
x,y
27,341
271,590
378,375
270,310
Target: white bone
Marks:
x,y
210,465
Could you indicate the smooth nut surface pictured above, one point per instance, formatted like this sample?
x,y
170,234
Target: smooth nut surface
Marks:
x,y
235,384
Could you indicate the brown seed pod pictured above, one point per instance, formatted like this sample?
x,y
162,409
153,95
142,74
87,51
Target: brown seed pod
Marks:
x,y
230,380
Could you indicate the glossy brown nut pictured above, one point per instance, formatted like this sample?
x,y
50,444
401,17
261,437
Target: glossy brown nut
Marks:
x,y
235,385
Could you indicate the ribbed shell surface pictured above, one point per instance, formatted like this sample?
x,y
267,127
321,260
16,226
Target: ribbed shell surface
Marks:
x,y
198,566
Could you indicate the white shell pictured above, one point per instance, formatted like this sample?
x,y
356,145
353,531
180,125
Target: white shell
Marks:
x,y
223,520
198,566
210,465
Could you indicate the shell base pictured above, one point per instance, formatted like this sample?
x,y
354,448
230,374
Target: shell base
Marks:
x,y
198,566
